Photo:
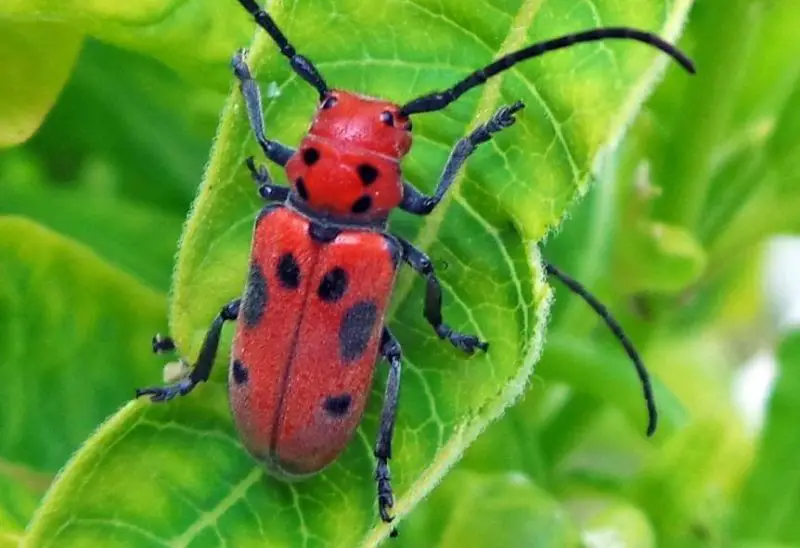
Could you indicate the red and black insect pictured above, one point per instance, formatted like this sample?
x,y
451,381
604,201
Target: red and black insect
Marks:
x,y
310,324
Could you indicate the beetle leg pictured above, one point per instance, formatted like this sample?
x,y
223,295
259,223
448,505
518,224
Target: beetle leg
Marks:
x,y
205,361
390,349
162,345
433,301
416,202
269,191
273,150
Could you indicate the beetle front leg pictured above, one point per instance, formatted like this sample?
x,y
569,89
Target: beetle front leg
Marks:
x,y
420,204
205,361
268,190
420,262
273,150
390,350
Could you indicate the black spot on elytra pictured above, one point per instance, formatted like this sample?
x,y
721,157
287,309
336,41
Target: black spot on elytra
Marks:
x,y
333,285
288,271
356,329
240,373
310,156
255,296
338,406
362,204
367,173
302,191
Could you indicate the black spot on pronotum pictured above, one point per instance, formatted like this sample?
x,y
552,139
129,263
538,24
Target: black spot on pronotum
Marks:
x,y
240,374
362,204
310,156
356,329
338,406
302,191
255,297
367,173
333,285
288,271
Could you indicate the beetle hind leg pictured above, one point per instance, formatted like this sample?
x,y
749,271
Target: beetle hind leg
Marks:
x,y
390,350
205,361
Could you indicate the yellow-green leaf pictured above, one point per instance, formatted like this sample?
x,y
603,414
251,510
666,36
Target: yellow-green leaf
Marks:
x,y
37,58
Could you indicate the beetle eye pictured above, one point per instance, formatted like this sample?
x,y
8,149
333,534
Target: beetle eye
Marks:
x,y
387,118
329,102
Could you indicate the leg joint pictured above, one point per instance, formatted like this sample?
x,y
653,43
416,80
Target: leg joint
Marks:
x,y
230,311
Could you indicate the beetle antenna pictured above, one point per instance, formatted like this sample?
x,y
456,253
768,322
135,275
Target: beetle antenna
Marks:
x,y
300,64
438,100
615,328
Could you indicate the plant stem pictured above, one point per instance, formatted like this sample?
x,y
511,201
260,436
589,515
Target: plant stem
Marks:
x,y
721,59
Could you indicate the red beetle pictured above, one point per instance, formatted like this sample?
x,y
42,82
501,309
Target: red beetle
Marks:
x,y
310,324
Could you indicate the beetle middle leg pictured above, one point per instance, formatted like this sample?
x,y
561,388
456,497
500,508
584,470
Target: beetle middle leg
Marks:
x,y
416,202
273,150
433,301
390,350
205,361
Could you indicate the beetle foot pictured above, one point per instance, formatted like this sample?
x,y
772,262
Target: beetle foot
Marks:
x,y
259,173
466,343
168,392
385,496
504,117
162,345
239,65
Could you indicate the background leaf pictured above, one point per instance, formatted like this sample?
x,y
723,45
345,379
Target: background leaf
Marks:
x,y
17,503
71,327
188,36
767,510
513,191
37,59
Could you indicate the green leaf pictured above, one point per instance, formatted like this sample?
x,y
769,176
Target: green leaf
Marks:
x,y
607,374
74,336
657,257
768,509
618,524
124,228
513,191
17,503
37,57
501,510
147,128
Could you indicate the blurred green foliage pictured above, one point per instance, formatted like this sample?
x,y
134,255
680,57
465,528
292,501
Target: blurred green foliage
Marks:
x,y
108,119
